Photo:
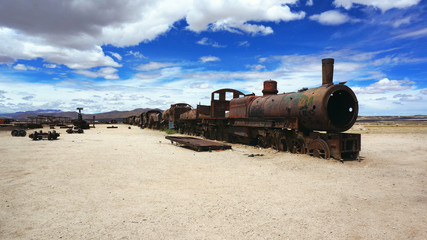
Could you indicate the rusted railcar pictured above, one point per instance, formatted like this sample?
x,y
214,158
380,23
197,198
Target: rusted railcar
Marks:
x,y
171,115
152,119
308,121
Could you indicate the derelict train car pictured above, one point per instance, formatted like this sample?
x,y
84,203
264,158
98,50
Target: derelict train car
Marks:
x,y
310,121
152,119
172,115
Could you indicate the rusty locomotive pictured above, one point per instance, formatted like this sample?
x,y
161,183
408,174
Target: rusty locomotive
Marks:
x,y
151,119
309,121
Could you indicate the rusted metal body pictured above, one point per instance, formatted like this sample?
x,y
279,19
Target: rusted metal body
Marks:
x,y
152,119
198,144
201,111
220,101
309,121
171,115
327,108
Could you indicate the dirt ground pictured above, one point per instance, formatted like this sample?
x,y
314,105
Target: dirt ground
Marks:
x,y
134,184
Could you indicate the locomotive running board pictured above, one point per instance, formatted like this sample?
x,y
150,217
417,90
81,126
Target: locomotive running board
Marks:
x,y
198,144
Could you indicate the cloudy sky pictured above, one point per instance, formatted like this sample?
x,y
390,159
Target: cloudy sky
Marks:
x,y
126,54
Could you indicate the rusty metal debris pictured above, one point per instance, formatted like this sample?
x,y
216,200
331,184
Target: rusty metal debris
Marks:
x,y
44,135
79,122
76,130
198,144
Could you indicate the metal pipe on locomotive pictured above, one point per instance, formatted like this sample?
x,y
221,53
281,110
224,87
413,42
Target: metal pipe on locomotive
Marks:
x,y
309,121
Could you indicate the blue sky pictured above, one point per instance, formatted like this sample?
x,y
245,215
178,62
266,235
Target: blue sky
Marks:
x,y
127,54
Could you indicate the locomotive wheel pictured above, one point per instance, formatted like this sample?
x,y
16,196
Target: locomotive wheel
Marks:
x,y
49,135
297,145
14,132
205,134
261,141
35,136
275,144
319,148
22,133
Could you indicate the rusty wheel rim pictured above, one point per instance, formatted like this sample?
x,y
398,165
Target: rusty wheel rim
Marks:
x,y
297,146
319,148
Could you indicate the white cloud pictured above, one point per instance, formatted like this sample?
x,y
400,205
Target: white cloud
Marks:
x,y
107,73
20,46
22,67
384,5
116,55
256,67
414,34
136,54
153,66
407,97
309,3
331,17
424,91
243,44
207,42
76,35
234,15
403,21
384,85
49,65
209,59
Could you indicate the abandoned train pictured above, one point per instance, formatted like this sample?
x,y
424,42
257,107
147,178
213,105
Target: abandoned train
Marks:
x,y
310,121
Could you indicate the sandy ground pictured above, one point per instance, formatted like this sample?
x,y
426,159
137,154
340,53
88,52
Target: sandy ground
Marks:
x,y
134,184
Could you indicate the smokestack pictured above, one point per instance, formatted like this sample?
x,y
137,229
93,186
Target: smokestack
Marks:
x,y
327,71
270,88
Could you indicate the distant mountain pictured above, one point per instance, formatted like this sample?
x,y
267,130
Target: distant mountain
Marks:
x,y
418,118
118,115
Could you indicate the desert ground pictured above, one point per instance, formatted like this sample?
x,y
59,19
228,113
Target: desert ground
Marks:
x,y
134,184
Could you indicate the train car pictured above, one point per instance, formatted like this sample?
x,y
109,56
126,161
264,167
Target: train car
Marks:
x,y
310,121
171,115
152,119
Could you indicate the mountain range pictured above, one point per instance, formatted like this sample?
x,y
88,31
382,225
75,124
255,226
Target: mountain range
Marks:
x,y
119,115
107,116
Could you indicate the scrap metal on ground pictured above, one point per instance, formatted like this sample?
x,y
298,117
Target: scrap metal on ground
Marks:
x,y
76,130
44,135
198,144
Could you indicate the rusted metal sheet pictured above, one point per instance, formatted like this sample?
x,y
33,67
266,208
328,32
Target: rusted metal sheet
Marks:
x,y
198,144
239,106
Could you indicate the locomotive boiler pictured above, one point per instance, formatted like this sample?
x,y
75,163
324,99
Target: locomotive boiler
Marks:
x,y
308,121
